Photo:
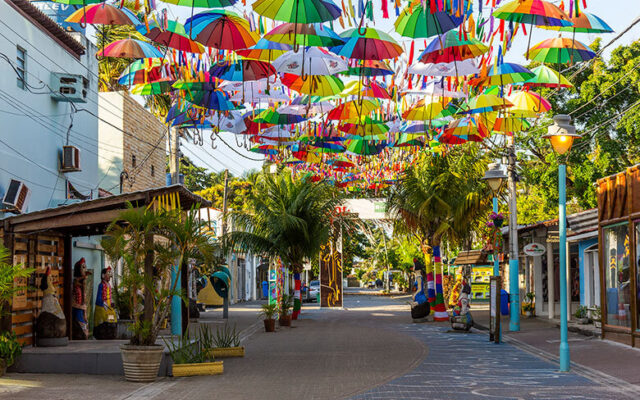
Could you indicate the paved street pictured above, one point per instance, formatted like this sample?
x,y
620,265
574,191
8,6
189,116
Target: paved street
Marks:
x,y
371,350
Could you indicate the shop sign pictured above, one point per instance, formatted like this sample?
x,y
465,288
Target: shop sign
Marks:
x,y
534,249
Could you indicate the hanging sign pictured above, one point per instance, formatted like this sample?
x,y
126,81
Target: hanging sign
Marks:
x,y
534,249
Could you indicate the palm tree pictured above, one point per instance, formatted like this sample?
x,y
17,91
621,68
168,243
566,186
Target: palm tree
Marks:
x,y
287,218
440,198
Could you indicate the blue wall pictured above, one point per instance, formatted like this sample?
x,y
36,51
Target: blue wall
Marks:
x,y
582,246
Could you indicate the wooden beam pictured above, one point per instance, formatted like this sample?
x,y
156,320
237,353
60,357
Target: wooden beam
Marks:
x,y
64,221
67,265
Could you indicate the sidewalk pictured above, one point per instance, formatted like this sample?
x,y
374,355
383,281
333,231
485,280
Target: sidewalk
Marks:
x,y
541,336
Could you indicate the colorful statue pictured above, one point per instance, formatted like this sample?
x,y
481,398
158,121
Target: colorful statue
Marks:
x,y
461,317
456,290
79,326
51,323
420,307
105,319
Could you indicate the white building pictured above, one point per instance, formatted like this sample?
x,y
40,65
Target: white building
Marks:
x,y
48,99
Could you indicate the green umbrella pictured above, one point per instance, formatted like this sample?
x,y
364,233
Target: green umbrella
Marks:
x,y
547,77
202,3
365,147
414,23
158,87
298,11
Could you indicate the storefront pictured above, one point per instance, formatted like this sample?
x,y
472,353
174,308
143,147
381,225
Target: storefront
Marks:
x,y
619,236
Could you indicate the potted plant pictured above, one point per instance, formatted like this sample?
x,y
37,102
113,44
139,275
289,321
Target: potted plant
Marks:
x,y
10,350
226,343
191,356
285,308
269,311
151,242
581,315
596,315
528,305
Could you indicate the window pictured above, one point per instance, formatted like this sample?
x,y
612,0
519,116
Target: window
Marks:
x,y
21,67
133,161
617,275
153,171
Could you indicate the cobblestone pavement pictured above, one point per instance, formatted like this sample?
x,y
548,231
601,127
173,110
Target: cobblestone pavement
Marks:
x,y
369,350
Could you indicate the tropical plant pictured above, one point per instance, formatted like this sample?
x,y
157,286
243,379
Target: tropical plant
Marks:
x,y
194,349
150,244
269,310
581,312
8,275
10,348
226,337
286,302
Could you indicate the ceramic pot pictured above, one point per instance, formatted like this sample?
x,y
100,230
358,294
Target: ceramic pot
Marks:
x,y
141,363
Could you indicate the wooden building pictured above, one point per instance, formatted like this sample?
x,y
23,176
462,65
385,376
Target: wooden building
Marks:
x,y
619,237
43,239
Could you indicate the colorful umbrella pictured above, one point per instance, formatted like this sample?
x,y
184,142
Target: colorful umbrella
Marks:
x,y
353,110
506,125
423,111
264,50
560,51
304,35
243,70
158,87
319,85
367,89
141,71
310,61
211,99
298,11
368,68
468,128
364,147
486,103
130,48
341,161
202,3
532,12
450,47
172,35
104,14
414,23
584,23
546,77
370,45
275,118
409,140
507,74
458,68
527,104
221,29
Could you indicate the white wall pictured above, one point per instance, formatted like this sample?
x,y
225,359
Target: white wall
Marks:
x,y
111,109
33,126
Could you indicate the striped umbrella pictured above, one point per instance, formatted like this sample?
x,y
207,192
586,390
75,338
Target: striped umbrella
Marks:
x,y
370,45
264,50
532,12
243,70
560,51
298,11
130,48
546,77
414,22
221,29
318,85
507,74
104,14
158,87
584,23
527,104
368,68
353,110
317,35
273,117
172,35
450,47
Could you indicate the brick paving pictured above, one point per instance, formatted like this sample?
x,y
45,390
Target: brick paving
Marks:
x,y
369,350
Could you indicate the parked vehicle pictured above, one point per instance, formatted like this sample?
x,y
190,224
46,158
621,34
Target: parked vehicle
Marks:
x,y
310,292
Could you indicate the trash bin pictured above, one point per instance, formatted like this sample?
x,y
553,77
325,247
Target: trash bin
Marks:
x,y
265,289
504,302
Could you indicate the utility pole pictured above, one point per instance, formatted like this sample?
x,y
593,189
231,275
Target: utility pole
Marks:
x,y
225,305
174,155
514,271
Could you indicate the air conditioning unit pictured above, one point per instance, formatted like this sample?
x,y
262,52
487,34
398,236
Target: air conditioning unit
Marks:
x,y
69,87
70,159
17,197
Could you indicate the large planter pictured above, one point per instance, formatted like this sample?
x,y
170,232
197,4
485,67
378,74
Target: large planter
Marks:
x,y
141,363
222,352
285,320
270,325
207,368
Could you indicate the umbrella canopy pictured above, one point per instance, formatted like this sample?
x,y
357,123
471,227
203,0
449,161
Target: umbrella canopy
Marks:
x,y
506,74
319,85
211,99
372,45
527,104
130,48
560,51
202,3
368,68
298,11
366,89
546,77
423,111
414,22
409,140
324,146
468,128
173,35
532,12
341,161
310,61
449,47
353,110
158,87
243,70
364,147
458,68
264,50
584,23
436,88
506,125
221,29
486,103
141,71
104,14
304,35
370,128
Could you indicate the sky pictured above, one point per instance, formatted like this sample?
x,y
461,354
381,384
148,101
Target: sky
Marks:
x,y
619,14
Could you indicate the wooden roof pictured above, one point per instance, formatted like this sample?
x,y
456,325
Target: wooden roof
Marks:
x,y
471,257
91,217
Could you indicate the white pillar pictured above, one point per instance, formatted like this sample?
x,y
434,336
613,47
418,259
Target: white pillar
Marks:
x,y
537,284
588,299
596,278
568,283
551,302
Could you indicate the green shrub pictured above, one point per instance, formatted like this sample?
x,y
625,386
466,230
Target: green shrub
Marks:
x,y
226,337
10,348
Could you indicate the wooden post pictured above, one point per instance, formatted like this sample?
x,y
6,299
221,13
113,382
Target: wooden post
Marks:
x,y
5,321
67,265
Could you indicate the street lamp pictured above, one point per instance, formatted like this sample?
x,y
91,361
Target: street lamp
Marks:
x,y
495,178
561,135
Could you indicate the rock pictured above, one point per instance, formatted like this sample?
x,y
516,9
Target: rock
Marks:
x,y
50,326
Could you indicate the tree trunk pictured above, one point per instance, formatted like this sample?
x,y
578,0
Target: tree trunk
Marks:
x,y
440,311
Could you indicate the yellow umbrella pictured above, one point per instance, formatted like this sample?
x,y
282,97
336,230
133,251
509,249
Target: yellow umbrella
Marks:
x,y
423,111
316,85
527,104
353,111
510,124
486,103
